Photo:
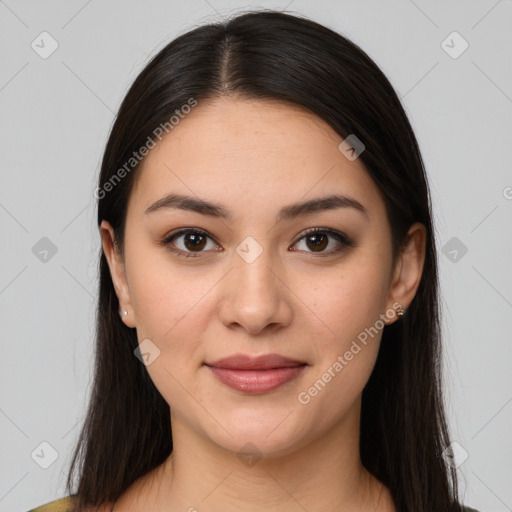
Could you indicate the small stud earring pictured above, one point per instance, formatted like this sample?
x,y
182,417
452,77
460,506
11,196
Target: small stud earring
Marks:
x,y
123,313
401,312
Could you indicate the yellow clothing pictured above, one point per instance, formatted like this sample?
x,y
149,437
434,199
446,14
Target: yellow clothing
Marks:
x,y
65,505
62,505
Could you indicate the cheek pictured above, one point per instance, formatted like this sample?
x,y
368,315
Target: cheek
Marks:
x,y
345,350
168,300
344,355
347,303
333,393
170,307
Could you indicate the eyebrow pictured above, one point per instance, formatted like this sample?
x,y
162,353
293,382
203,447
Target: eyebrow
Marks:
x,y
197,205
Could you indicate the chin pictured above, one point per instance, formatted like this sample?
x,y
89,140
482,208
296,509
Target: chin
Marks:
x,y
268,436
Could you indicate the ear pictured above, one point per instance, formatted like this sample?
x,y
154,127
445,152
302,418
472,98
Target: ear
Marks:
x,y
117,272
408,269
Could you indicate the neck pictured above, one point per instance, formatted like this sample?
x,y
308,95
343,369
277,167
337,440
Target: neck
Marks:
x,y
325,474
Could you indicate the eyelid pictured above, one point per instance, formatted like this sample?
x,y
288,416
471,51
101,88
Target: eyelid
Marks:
x,y
166,241
182,231
339,236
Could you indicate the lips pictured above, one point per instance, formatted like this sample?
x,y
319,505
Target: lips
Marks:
x,y
255,374
264,362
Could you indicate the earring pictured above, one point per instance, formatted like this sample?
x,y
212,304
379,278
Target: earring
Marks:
x,y
123,313
401,312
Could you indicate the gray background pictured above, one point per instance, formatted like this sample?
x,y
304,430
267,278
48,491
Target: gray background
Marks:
x,y
55,117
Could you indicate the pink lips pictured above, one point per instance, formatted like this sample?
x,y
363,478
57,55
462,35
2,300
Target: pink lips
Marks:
x,y
255,374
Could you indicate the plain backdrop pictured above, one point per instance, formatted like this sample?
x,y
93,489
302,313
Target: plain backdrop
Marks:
x,y
56,113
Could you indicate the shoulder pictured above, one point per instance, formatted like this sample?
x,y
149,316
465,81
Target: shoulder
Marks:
x,y
61,505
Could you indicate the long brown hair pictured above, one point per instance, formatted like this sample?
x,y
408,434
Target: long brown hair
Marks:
x,y
272,55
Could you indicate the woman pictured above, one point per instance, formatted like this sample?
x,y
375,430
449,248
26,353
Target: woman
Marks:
x,y
268,328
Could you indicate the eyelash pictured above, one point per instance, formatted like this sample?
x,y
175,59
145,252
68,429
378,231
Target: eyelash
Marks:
x,y
343,240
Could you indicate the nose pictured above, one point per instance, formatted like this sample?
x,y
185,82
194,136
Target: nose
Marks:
x,y
254,297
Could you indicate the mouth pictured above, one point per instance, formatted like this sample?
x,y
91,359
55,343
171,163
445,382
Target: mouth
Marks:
x,y
254,375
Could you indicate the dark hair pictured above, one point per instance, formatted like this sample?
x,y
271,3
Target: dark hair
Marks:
x,y
270,55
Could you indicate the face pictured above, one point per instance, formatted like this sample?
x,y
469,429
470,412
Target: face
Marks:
x,y
251,275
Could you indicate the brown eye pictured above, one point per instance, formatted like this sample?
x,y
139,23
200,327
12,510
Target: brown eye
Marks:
x,y
317,240
194,241
190,242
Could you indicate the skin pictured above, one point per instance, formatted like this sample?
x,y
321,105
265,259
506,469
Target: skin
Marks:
x,y
255,157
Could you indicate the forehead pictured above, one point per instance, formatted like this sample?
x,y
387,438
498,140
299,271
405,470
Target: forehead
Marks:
x,y
252,152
